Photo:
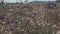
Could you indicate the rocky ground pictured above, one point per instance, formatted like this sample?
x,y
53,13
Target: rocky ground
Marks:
x,y
38,18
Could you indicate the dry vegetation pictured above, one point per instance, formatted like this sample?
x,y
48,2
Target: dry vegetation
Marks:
x,y
29,19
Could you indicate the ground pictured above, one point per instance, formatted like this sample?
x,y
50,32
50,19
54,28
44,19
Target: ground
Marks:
x,y
35,18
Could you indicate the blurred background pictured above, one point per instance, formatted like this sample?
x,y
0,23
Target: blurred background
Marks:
x,y
23,1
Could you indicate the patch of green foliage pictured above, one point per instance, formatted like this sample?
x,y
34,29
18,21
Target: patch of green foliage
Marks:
x,y
1,9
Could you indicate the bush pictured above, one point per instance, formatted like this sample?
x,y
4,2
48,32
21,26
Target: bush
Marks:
x,y
51,6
